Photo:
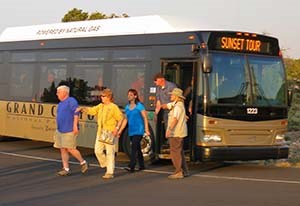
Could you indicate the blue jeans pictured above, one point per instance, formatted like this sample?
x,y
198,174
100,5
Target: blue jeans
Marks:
x,y
136,152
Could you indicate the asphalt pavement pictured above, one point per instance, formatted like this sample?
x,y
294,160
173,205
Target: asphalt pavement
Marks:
x,y
27,177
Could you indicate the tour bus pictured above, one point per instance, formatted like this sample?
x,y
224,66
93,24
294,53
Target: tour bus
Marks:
x,y
236,79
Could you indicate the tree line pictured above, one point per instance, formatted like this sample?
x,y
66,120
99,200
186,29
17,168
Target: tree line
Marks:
x,y
80,15
293,77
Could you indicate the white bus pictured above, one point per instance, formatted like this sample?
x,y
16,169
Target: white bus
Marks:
x,y
239,92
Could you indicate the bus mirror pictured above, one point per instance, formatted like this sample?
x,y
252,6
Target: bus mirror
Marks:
x,y
207,66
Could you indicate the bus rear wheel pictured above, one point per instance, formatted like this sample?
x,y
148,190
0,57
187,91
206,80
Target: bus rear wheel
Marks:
x,y
147,146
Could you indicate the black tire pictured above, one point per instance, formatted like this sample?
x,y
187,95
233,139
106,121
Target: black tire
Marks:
x,y
147,145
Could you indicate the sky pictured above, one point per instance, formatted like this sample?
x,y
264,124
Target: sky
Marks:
x,y
274,17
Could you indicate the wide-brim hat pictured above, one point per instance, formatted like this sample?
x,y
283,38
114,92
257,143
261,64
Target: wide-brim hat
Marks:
x,y
177,92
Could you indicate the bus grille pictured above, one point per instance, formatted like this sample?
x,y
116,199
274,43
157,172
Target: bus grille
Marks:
x,y
244,137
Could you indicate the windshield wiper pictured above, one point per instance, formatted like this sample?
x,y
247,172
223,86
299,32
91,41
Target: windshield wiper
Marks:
x,y
261,94
243,88
243,91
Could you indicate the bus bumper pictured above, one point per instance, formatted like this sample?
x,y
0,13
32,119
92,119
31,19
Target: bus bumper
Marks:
x,y
241,153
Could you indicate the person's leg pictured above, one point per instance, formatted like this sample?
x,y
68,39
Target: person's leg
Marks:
x,y
65,171
133,153
184,166
75,153
175,150
165,118
110,158
99,152
65,158
140,156
165,143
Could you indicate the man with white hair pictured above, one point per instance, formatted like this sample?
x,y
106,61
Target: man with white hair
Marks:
x,y
67,130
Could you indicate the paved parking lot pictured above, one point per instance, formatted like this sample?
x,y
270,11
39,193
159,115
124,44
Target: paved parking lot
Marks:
x,y
27,177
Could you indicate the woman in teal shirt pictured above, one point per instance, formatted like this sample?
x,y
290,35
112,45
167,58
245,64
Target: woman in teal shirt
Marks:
x,y
137,126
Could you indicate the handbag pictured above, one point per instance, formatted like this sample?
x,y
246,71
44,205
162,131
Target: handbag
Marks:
x,y
106,137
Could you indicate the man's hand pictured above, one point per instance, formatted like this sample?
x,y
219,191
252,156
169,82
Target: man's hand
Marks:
x,y
81,109
168,133
78,109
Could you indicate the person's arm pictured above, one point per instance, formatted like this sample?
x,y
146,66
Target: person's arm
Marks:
x,y
168,106
73,107
75,124
172,124
116,130
144,115
119,117
187,91
122,127
190,109
89,110
157,107
171,127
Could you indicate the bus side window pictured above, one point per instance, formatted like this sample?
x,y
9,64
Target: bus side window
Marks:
x,y
50,77
22,82
126,77
91,76
139,84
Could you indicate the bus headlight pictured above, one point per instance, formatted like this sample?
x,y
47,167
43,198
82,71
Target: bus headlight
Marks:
x,y
211,138
279,138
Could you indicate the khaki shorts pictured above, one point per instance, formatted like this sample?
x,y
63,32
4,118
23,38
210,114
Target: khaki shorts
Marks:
x,y
65,140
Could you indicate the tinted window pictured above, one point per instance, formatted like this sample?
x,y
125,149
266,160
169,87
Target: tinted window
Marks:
x,y
4,72
89,83
128,76
228,79
55,56
22,57
91,55
269,81
22,78
130,54
51,77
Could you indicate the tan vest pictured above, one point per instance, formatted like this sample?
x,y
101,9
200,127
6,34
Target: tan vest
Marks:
x,y
180,129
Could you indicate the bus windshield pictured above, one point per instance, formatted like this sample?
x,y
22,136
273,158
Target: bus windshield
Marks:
x,y
247,80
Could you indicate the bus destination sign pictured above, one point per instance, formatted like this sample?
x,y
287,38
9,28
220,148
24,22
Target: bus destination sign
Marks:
x,y
240,44
247,43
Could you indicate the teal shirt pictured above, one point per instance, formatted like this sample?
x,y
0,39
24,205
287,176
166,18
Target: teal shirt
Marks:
x,y
136,125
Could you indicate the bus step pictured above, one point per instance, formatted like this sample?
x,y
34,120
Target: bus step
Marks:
x,y
164,156
165,151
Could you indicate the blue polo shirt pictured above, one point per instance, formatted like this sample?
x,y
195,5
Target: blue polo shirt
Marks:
x,y
65,114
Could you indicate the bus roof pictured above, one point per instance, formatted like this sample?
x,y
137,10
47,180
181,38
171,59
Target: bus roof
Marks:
x,y
105,27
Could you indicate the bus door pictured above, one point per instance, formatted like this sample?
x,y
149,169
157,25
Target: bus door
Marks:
x,y
180,72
